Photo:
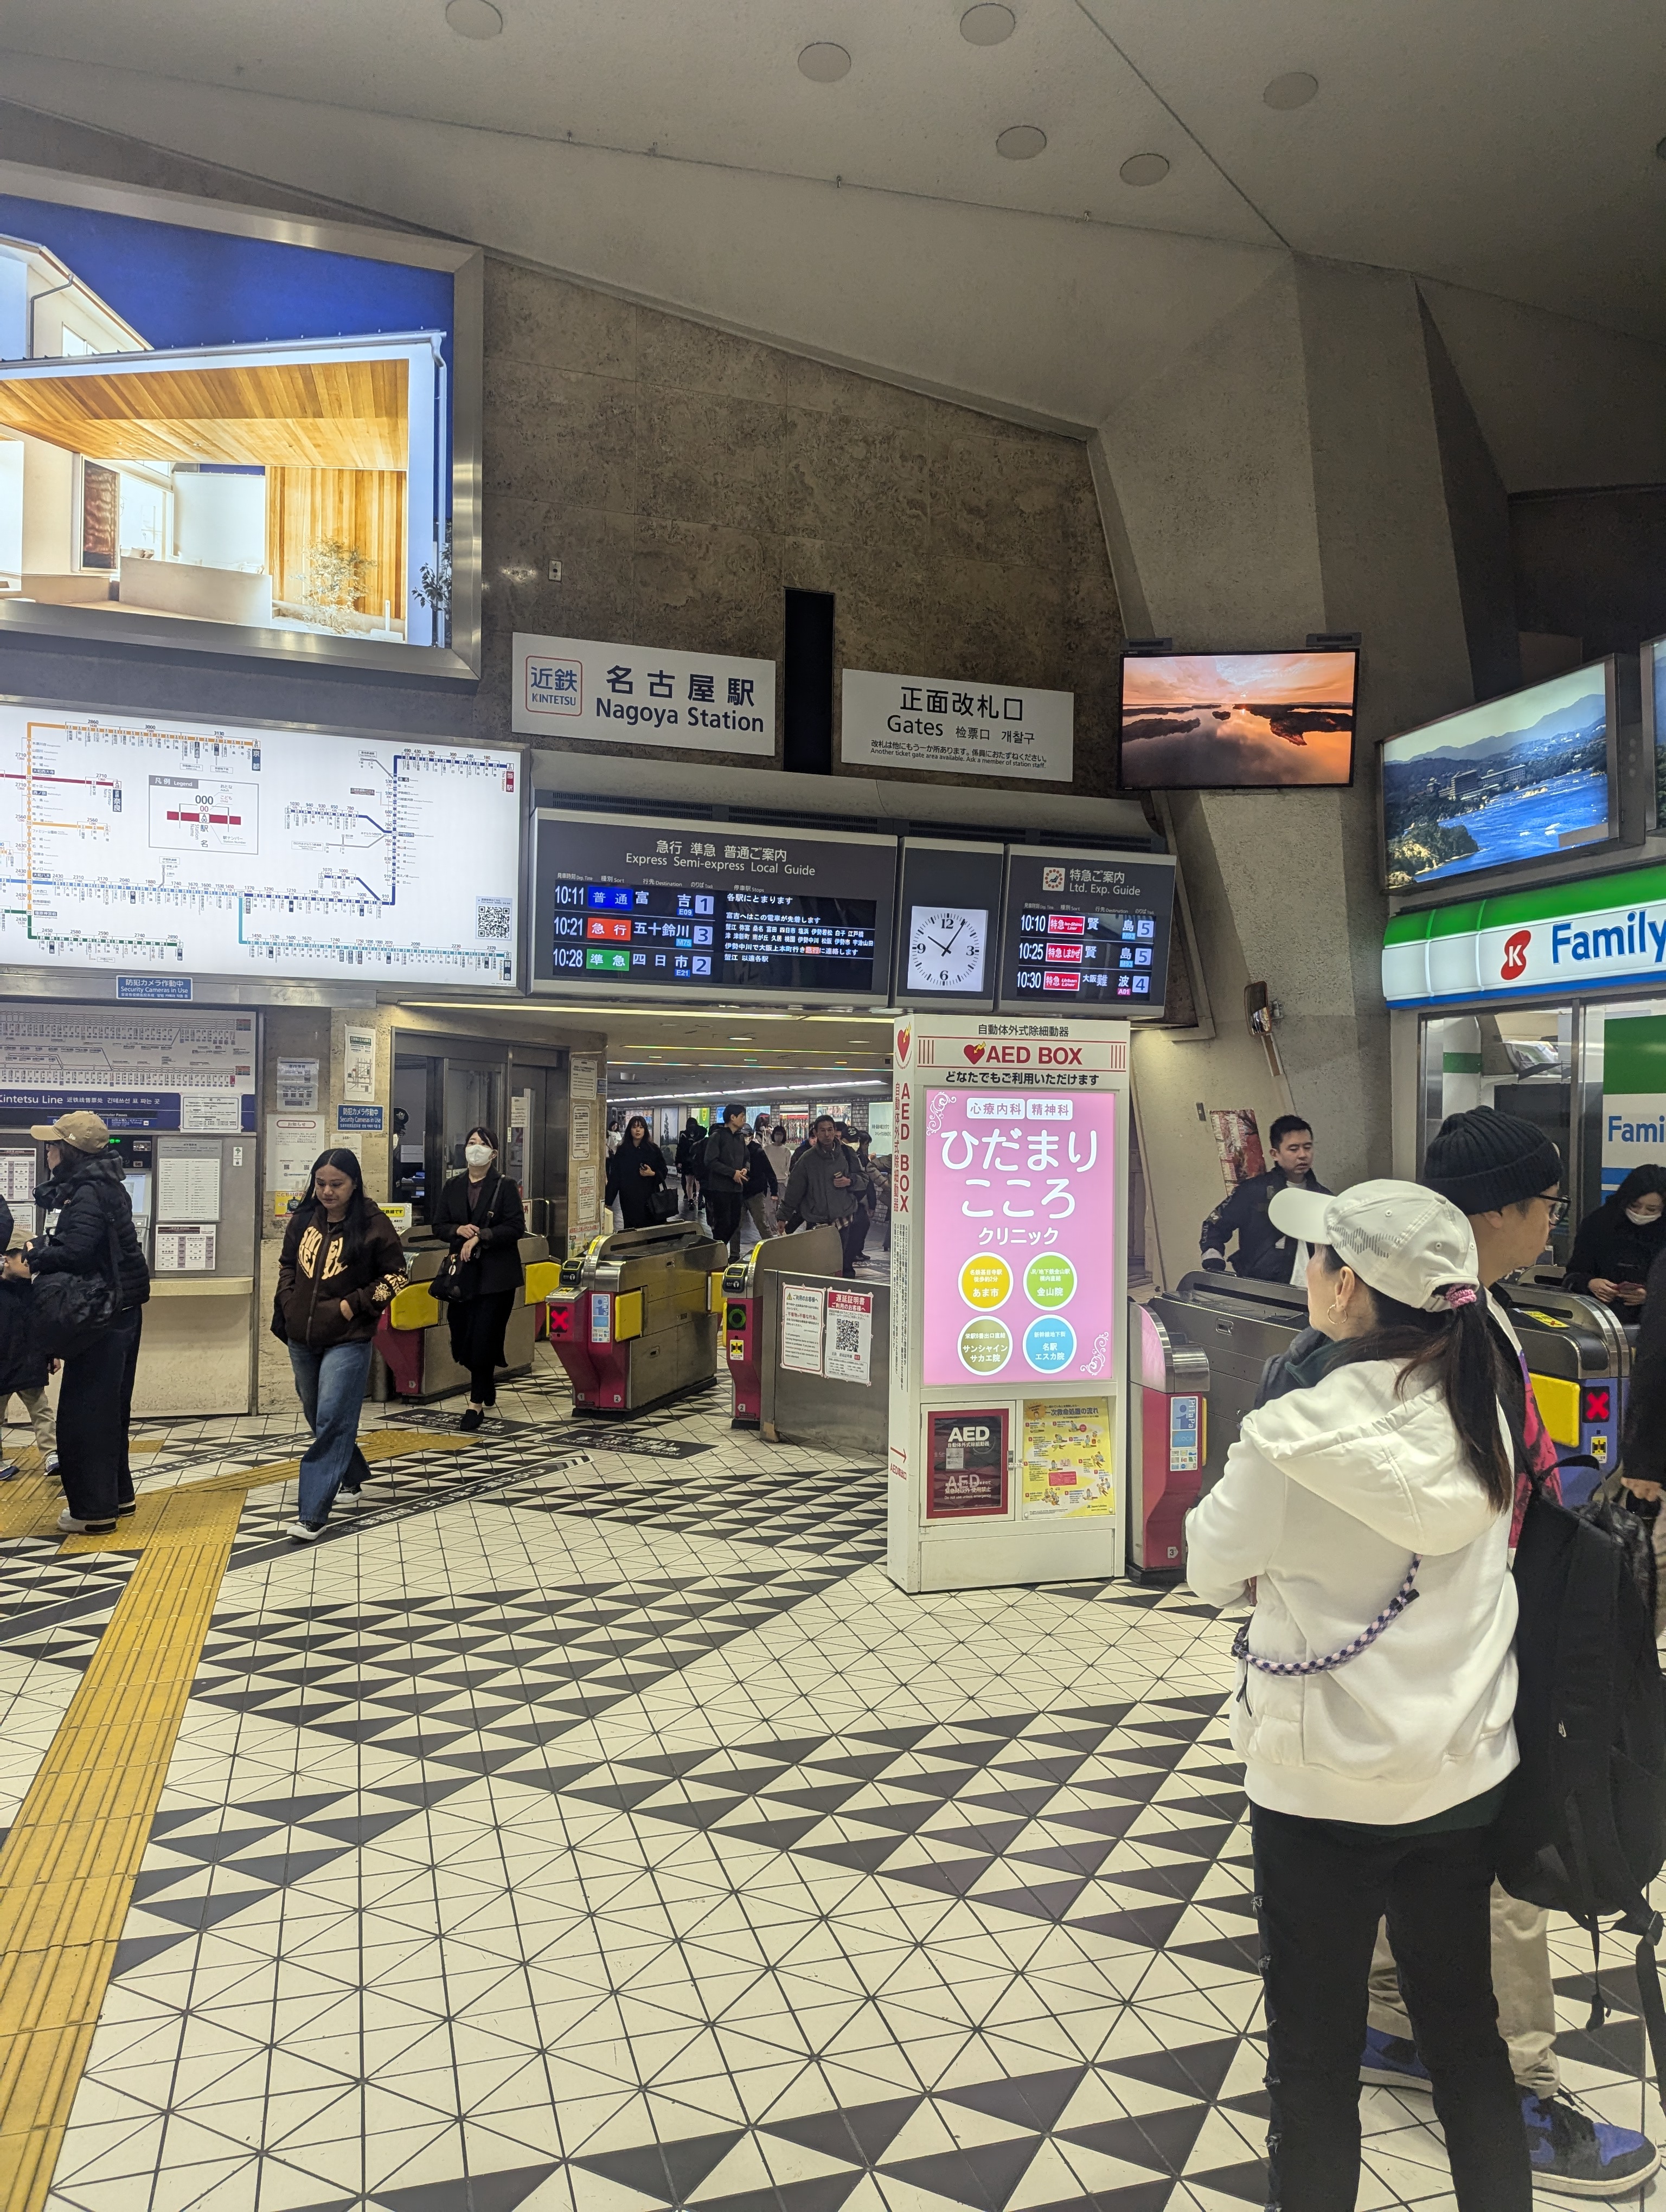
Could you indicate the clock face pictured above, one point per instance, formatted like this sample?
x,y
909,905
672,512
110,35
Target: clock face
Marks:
x,y
947,947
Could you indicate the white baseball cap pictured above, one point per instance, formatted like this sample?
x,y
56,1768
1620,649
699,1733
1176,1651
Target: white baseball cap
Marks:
x,y
1399,1238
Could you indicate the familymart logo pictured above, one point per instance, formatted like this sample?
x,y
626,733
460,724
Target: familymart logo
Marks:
x,y
1633,938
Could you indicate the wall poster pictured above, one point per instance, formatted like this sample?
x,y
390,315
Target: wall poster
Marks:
x,y
966,1473
1068,1459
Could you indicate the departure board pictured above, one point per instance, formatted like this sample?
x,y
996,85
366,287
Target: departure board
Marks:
x,y
188,847
692,907
1086,933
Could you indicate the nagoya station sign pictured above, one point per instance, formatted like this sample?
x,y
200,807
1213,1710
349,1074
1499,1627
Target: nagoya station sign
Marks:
x,y
643,695
949,726
1556,937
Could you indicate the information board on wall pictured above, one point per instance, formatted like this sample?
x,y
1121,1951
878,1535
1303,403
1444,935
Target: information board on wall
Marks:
x,y
642,695
194,1072
944,725
693,906
241,851
1085,932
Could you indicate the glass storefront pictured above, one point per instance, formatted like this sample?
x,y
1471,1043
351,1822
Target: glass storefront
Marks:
x,y
1591,1074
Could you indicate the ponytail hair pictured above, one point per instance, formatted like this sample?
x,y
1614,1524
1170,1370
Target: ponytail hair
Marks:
x,y
1458,1346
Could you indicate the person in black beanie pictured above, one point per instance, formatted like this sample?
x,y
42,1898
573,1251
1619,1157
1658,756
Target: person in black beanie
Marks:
x,y
1505,1175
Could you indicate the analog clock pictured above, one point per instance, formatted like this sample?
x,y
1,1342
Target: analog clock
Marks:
x,y
947,947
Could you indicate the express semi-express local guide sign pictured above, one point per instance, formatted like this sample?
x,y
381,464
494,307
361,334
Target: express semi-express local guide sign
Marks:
x,y
1556,937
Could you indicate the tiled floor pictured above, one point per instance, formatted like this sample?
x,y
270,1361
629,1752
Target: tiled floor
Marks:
x,y
589,1824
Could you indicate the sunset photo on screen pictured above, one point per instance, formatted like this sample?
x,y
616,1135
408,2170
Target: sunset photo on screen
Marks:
x,y
1235,721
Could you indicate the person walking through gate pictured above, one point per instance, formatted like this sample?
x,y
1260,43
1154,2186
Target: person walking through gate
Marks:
x,y
724,1172
825,1187
483,1213
636,1176
85,1187
342,1262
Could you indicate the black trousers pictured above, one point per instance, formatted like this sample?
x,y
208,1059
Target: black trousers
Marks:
x,y
723,1212
96,1403
1321,1888
476,1340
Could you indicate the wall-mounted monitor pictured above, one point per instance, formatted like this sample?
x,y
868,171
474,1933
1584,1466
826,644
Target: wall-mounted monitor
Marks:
x,y
169,848
1509,785
1086,933
695,909
1238,721
230,431
1654,721
948,928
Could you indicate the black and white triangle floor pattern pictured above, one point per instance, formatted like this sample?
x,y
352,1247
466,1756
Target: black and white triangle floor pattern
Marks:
x,y
838,1510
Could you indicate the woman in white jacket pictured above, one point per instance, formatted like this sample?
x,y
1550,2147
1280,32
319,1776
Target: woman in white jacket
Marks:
x,y
1367,1515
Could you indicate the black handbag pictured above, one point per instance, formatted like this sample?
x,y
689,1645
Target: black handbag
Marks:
x,y
69,1313
662,1204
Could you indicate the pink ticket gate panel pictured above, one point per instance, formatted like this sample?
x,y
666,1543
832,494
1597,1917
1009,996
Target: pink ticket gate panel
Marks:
x,y
1168,1441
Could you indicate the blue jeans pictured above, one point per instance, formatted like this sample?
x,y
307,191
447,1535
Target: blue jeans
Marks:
x,y
330,1386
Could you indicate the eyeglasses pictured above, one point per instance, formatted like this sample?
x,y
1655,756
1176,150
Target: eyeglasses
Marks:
x,y
1555,1209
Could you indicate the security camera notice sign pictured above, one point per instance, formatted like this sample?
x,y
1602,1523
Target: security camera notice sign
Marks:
x,y
967,1465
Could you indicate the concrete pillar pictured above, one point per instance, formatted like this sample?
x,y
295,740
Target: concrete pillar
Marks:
x,y
1288,476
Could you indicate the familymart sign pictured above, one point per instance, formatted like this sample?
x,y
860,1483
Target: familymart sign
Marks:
x,y
1556,937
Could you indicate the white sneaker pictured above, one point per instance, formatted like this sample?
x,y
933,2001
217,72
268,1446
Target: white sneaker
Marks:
x,y
51,1462
302,1532
69,1526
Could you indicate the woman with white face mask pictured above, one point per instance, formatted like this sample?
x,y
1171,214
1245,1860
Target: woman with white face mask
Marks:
x,y
482,1210
1619,1243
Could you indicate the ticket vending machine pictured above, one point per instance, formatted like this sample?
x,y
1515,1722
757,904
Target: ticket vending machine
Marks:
x,y
1008,1343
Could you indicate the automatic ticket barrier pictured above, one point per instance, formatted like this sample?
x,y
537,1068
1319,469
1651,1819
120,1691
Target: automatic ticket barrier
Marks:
x,y
634,1317
413,1337
1168,1438
748,1285
1580,1358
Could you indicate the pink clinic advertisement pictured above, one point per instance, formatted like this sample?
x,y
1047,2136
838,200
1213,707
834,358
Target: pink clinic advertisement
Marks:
x,y
1020,1229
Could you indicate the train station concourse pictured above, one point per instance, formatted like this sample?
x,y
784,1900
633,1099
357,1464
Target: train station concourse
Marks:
x,y
832,1106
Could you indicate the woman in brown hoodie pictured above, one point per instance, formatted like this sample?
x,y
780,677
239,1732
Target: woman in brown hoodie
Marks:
x,y
342,1262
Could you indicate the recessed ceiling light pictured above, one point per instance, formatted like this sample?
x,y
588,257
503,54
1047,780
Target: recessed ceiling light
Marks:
x,y
824,63
1144,169
1293,90
987,24
1021,143
474,19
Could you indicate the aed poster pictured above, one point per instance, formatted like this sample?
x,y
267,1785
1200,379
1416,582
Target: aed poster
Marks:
x,y
1068,1463
966,1464
1021,1230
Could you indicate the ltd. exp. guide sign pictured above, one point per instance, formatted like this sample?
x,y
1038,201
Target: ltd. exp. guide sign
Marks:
x,y
1556,937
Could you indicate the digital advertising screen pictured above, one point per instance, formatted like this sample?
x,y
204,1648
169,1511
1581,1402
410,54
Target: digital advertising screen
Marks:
x,y
1515,781
189,848
236,431
1086,933
1238,721
1019,1237
1654,720
948,928
695,906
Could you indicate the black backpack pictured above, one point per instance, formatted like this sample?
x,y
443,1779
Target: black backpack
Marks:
x,y
1583,1828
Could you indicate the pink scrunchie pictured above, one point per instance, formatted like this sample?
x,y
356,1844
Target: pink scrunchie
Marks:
x,y
1463,1294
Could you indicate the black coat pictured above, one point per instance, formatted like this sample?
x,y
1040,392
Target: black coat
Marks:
x,y
1262,1254
632,1188
89,1189
1610,1248
760,1175
23,1366
1643,1451
499,1245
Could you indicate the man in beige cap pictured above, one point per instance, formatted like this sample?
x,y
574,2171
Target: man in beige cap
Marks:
x,y
85,1186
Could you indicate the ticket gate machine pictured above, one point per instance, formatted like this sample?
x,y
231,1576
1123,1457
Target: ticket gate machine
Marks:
x,y
1168,1438
634,1318
746,1284
1579,1355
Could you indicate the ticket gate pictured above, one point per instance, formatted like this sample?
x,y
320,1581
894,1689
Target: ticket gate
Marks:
x,y
1579,1355
1239,1325
747,1285
413,1337
634,1318
1168,1439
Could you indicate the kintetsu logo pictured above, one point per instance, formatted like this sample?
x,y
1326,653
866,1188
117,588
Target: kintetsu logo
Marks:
x,y
1515,955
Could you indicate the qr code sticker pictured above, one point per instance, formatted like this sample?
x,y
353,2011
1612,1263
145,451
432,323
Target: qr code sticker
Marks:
x,y
847,1337
491,918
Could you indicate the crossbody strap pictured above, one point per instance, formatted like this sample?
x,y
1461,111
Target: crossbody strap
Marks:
x,y
1407,1594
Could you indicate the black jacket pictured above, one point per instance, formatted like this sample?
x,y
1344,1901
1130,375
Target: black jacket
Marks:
x,y
315,1278
1643,1452
1264,1254
23,1367
760,1175
725,1150
89,1189
633,1189
500,1268
1610,1248
692,1151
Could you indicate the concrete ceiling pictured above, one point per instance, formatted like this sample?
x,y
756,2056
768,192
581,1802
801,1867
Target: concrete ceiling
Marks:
x,y
673,150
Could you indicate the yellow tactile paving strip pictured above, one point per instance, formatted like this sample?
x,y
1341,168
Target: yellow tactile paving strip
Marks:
x,y
68,1866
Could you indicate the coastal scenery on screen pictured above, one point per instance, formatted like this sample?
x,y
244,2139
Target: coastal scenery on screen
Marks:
x,y
1519,779
199,426
1236,721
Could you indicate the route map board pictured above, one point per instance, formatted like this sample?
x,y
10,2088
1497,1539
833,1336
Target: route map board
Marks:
x,y
157,1070
184,846
698,906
